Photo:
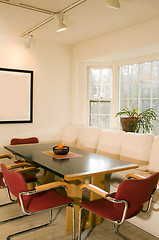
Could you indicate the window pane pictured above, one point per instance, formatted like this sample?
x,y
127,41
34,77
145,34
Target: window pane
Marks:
x,y
123,104
133,102
155,88
155,105
144,104
104,107
105,91
145,89
106,75
155,129
94,121
134,72
95,76
94,91
94,107
123,90
123,73
155,70
105,122
145,70
133,89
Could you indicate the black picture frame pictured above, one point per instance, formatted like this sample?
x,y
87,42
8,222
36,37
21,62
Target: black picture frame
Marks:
x,y
16,96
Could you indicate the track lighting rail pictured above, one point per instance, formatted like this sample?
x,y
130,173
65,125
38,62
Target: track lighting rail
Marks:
x,y
25,6
53,14
52,17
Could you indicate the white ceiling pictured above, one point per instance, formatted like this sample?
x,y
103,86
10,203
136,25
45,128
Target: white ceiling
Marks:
x,y
88,20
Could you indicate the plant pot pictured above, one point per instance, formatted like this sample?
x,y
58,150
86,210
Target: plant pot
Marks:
x,y
128,124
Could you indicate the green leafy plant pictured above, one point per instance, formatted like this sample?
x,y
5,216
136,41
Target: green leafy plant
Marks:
x,y
144,119
134,112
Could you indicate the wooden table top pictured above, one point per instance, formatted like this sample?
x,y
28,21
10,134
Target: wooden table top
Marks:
x,y
80,165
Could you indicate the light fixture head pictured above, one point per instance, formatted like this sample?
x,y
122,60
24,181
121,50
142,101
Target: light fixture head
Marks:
x,y
113,4
28,41
60,25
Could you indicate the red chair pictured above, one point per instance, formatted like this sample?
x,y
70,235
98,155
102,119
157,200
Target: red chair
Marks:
x,y
126,203
17,141
36,201
29,174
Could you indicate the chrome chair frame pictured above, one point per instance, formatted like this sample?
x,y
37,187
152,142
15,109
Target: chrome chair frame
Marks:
x,y
27,213
117,224
12,201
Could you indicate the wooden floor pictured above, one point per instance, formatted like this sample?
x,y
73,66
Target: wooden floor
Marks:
x,y
56,230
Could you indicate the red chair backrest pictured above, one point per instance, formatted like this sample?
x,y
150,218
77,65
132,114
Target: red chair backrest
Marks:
x,y
15,183
137,191
16,141
1,180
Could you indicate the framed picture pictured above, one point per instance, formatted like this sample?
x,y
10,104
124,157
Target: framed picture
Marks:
x,y
16,96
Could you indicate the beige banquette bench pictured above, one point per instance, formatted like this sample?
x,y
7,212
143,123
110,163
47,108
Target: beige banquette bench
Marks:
x,y
142,149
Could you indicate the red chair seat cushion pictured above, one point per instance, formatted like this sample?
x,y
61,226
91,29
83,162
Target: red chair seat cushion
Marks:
x,y
107,209
45,200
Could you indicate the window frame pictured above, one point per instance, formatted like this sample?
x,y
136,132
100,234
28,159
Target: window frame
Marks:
x,y
98,99
139,80
79,102
143,60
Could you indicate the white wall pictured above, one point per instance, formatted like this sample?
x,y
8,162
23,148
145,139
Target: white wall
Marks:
x,y
133,42
132,38
51,64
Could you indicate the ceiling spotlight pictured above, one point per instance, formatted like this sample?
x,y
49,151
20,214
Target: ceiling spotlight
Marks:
x,y
113,4
60,25
28,41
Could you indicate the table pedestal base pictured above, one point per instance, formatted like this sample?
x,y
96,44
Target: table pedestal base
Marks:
x,y
75,193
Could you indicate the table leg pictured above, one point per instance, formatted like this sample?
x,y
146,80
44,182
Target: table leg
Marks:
x,y
48,177
75,193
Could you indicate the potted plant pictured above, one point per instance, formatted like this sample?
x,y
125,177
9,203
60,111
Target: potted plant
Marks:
x,y
136,120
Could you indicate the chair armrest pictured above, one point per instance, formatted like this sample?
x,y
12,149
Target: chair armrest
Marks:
x,y
29,169
24,165
19,165
41,188
135,176
51,185
105,194
6,156
95,189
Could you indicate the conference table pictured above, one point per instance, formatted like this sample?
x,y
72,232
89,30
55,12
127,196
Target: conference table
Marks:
x,y
73,168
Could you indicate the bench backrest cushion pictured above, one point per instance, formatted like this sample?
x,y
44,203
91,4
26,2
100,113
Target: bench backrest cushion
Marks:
x,y
88,138
70,134
110,143
154,156
136,147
